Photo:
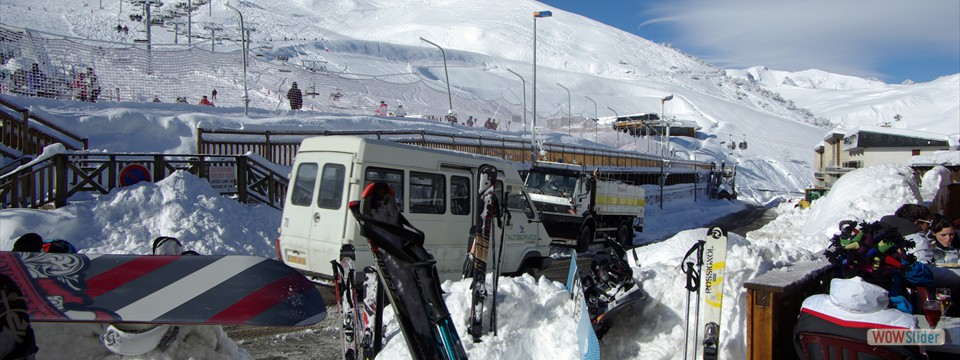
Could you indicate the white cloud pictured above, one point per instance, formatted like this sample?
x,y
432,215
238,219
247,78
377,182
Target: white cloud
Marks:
x,y
850,36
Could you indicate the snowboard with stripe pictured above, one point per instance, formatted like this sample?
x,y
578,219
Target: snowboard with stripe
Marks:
x,y
230,289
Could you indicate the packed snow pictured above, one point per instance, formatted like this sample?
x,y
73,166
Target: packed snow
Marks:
x,y
535,319
618,70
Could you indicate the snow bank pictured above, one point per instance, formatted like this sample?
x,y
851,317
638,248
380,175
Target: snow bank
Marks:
x,y
126,220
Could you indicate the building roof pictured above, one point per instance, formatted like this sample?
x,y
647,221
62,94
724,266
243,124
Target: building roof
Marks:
x,y
883,137
943,158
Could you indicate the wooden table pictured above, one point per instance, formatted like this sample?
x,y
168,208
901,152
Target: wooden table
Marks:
x,y
951,326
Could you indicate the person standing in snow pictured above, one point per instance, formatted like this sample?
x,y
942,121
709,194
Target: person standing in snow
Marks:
x,y
382,109
205,101
213,94
80,87
400,112
36,81
93,84
295,96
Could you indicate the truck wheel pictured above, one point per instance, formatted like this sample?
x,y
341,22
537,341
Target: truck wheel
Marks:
x,y
586,238
625,236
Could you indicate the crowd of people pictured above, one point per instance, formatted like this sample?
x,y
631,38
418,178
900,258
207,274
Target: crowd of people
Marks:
x,y
886,271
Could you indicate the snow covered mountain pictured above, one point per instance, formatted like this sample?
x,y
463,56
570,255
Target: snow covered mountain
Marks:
x,y
607,71
851,101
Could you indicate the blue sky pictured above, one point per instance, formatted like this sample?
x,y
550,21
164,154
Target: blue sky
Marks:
x,y
893,40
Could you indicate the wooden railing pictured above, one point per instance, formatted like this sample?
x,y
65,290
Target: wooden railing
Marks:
x,y
773,304
24,131
53,180
281,147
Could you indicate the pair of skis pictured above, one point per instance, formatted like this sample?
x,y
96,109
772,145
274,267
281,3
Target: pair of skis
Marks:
x,y
362,311
705,276
475,265
409,274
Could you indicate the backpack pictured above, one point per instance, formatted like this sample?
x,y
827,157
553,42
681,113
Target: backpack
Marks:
x,y
59,246
876,252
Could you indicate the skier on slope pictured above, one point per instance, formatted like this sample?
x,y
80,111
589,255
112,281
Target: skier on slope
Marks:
x,y
382,109
295,96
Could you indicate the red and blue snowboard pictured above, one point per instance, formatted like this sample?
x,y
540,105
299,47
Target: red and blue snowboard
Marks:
x,y
232,289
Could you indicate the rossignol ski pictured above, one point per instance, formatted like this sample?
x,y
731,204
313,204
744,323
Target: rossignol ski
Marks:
x,y
371,314
344,280
476,266
409,273
714,261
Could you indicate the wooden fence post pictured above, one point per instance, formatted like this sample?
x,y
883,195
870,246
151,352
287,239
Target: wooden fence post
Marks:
x,y
242,179
60,180
159,168
25,133
268,152
200,149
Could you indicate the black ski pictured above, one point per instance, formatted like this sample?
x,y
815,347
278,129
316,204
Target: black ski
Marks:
x,y
409,274
476,267
372,314
346,294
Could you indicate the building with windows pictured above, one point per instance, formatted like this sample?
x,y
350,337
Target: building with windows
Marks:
x,y
845,150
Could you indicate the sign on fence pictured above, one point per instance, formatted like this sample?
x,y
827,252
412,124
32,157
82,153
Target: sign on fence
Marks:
x,y
223,178
134,173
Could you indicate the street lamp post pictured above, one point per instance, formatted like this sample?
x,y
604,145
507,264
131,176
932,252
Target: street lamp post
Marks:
x,y
615,122
663,178
524,85
596,119
536,14
569,116
446,75
189,22
243,44
667,144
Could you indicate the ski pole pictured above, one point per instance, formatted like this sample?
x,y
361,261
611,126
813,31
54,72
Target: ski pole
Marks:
x,y
696,310
496,279
692,285
686,316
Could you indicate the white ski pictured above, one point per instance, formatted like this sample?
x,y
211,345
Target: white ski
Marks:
x,y
711,288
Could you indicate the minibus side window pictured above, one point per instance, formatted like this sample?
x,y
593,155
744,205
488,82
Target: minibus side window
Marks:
x,y
331,186
303,185
428,193
392,177
460,195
